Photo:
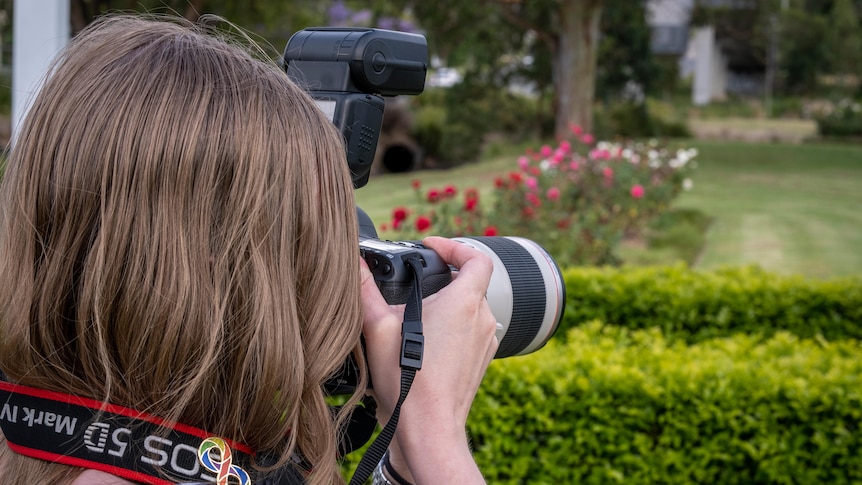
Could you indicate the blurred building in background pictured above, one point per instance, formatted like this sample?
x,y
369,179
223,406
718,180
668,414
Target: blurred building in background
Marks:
x,y
718,64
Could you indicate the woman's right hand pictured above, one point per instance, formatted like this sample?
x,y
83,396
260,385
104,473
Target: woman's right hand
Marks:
x,y
459,331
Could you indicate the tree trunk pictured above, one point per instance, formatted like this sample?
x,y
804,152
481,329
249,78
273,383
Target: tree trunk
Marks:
x,y
78,17
574,66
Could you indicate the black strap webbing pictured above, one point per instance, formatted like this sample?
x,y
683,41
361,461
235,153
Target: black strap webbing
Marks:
x,y
412,346
76,431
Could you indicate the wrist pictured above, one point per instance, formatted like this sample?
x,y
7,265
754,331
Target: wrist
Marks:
x,y
385,473
420,432
397,462
392,472
434,456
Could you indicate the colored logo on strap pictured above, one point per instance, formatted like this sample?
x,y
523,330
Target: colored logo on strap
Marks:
x,y
215,455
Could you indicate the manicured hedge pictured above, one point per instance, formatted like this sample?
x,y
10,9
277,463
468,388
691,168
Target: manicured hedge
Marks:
x,y
610,405
695,305
840,127
670,375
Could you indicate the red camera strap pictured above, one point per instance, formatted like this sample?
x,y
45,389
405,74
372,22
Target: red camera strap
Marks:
x,y
137,446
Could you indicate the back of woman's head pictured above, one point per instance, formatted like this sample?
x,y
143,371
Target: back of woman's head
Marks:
x,y
178,233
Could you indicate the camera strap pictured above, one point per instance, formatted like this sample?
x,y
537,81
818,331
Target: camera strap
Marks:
x,y
412,345
82,432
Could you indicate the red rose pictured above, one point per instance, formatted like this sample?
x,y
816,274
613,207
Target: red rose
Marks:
x,y
423,223
490,231
399,214
433,195
533,199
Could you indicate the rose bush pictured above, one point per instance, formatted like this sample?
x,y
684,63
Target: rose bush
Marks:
x,y
578,199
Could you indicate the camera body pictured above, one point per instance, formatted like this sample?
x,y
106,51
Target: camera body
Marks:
x,y
348,71
387,261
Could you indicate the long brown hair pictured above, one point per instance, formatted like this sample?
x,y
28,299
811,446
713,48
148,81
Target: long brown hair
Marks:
x,y
178,235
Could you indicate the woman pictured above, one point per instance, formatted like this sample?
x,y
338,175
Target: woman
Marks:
x,y
179,238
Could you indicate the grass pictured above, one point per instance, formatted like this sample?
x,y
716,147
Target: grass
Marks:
x,y
677,235
790,208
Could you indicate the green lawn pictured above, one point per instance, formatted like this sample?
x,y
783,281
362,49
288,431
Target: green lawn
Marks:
x,y
788,208
791,208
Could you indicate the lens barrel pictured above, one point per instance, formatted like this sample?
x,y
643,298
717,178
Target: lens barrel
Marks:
x,y
527,294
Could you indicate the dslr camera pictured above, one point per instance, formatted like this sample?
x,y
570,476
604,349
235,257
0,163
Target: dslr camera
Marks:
x,y
348,72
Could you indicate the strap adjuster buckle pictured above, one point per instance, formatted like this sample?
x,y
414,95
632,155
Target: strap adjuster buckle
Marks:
x,y
412,346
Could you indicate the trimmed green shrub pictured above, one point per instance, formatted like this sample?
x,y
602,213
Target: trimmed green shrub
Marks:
x,y
845,120
695,305
610,405
839,127
639,119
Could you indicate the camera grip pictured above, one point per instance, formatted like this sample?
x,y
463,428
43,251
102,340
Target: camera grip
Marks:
x,y
396,293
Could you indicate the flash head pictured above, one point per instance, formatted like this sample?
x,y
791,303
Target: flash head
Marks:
x,y
347,71
376,61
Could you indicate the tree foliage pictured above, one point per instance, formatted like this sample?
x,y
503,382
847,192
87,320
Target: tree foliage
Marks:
x,y
803,53
625,57
270,21
567,51
844,39
814,37
533,41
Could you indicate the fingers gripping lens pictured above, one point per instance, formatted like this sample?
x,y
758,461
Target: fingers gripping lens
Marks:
x,y
526,292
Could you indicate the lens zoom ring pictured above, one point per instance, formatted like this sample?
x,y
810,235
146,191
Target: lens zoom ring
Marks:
x,y
529,297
